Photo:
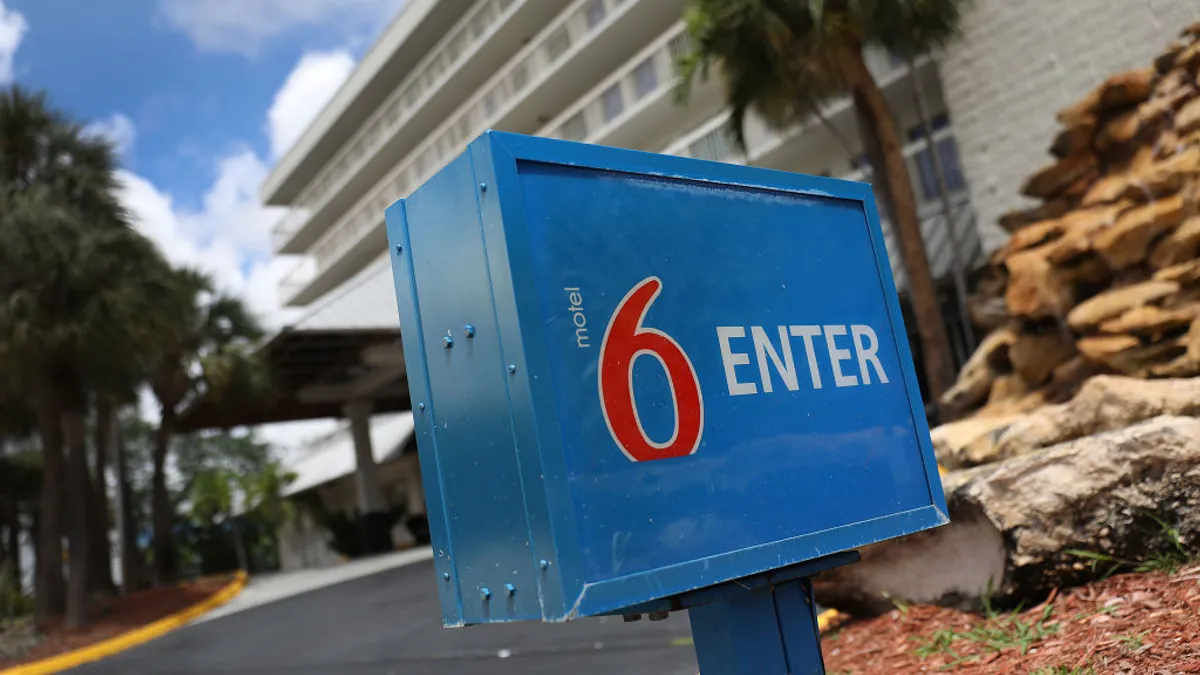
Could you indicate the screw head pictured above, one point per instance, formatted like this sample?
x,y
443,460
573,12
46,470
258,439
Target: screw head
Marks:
x,y
543,563
509,589
512,368
483,187
399,249
469,330
421,406
485,593
446,576
448,340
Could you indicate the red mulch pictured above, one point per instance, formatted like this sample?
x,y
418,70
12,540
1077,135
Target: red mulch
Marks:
x,y
114,616
1133,624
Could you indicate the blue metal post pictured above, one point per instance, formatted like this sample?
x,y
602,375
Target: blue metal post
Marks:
x,y
770,631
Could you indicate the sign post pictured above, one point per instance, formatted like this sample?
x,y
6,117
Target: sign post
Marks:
x,y
647,384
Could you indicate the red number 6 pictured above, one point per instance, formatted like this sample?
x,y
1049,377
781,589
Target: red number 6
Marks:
x,y
624,341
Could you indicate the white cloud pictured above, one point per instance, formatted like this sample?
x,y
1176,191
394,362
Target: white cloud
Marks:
x,y
12,29
229,237
118,129
243,26
309,86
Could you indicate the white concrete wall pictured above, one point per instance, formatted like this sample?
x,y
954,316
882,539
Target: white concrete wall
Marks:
x,y
1020,61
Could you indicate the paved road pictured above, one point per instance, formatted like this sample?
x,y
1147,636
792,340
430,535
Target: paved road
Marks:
x,y
387,623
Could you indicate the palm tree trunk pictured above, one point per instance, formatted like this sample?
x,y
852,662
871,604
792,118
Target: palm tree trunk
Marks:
x,y
101,551
79,491
165,570
126,533
49,584
14,541
883,146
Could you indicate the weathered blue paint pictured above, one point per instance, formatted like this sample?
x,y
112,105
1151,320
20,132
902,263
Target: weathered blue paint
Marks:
x,y
526,485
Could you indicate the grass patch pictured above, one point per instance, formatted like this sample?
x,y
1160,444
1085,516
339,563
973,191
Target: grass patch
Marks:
x,y
1167,562
998,632
1064,670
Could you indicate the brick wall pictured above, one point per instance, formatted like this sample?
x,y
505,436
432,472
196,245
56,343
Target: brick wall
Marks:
x,y
1020,61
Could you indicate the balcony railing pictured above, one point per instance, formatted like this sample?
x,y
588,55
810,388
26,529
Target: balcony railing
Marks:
x,y
625,92
556,43
446,57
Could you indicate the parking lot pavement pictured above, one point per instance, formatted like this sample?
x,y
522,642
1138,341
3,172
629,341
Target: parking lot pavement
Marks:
x,y
388,623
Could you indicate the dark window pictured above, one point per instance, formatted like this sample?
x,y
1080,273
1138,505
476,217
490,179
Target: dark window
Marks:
x,y
612,102
595,13
645,78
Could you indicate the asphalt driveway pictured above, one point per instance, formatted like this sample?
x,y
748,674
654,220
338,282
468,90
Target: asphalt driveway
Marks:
x,y
387,623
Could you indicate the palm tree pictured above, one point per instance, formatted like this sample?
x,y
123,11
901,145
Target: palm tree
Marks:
x,y
783,58
205,348
77,294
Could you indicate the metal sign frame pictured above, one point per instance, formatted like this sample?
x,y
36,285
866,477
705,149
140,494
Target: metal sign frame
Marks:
x,y
490,168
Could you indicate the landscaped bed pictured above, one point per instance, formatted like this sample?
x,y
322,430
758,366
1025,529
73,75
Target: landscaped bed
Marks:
x,y
1135,624
111,617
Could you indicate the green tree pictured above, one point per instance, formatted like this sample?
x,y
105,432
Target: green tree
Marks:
x,y
77,300
205,349
784,58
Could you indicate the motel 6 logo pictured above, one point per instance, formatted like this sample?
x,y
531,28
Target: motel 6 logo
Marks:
x,y
842,347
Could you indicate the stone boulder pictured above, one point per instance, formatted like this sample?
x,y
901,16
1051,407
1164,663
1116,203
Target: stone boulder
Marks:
x,y
1013,524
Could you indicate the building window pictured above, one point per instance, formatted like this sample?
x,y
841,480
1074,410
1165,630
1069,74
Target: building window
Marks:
x,y
575,128
594,13
520,76
612,102
645,77
558,44
947,151
489,103
716,145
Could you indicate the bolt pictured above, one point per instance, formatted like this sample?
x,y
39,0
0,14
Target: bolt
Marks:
x,y
448,340
446,576
630,618
543,563
483,187
512,368
469,330
399,249
485,593
421,406
657,616
509,589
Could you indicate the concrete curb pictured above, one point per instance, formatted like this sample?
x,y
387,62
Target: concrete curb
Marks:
x,y
133,638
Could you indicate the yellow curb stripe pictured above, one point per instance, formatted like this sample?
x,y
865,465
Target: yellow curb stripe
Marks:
x,y
120,643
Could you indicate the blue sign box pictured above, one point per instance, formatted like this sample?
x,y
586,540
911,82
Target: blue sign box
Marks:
x,y
639,375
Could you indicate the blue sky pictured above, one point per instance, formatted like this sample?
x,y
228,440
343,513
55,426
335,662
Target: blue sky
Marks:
x,y
202,96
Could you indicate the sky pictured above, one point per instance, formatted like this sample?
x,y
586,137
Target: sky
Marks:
x,y
200,97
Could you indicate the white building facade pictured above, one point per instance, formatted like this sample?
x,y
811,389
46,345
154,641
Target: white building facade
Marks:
x,y
602,71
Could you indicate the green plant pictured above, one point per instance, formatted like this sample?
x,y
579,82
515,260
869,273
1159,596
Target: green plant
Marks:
x,y
1168,561
13,602
1132,643
1064,670
998,632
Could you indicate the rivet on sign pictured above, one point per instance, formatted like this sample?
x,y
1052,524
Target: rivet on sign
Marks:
x,y
469,330
483,187
446,576
421,406
543,563
509,589
485,593
399,249
448,340
512,368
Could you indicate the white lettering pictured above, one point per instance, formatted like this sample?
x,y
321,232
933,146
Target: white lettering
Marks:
x,y
808,333
582,339
764,349
732,360
866,352
836,356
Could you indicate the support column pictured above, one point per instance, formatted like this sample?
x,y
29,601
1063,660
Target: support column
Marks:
x,y
418,521
372,509
771,631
